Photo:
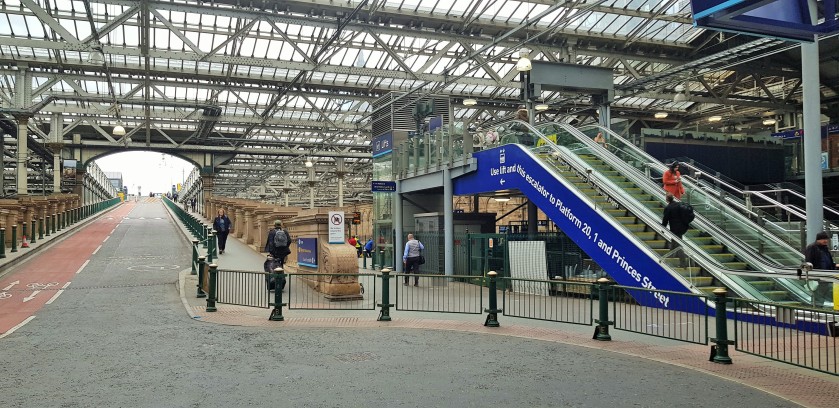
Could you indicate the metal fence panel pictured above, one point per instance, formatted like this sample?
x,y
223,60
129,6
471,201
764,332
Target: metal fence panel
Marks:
x,y
556,301
302,292
436,293
243,288
668,322
803,337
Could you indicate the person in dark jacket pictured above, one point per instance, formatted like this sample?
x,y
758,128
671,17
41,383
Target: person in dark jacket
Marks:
x,y
673,217
818,253
278,253
222,225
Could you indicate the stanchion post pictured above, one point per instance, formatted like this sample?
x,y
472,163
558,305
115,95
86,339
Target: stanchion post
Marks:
x,y
211,246
720,351
2,242
194,270
41,228
211,297
204,237
384,315
32,239
202,271
492,316
277,312
601,332
14,238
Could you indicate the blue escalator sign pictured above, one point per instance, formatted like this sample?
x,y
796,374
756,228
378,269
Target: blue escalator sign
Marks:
x,y
626,260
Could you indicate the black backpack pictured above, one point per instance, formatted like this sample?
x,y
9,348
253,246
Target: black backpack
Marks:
x,y
280,238
686,212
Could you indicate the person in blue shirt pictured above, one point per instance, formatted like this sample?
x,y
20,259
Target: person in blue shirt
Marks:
x,y
411,257
368,248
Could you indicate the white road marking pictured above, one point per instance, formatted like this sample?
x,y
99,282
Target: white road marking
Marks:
x,y
12,330
55,296
97,249
11,285
106,238
32,296
83,265
112,231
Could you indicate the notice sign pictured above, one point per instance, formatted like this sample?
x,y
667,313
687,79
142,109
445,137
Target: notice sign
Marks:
x,y
307,252
336,227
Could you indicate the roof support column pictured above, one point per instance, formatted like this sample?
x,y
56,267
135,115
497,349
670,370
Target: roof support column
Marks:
x,y
812,138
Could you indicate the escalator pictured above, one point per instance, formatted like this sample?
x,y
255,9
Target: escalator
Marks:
x,y
624,208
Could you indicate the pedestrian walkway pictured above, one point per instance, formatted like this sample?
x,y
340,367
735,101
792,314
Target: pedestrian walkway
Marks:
x,y
799,385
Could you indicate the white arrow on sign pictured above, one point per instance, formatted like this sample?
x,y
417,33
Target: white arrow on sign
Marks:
x,y
32,296
11,285
502,182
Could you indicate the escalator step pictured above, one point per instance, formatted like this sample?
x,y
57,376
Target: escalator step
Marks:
x,y
657,244
701,280
712,249
645,236
636,227
627,220
737,266
724,257
689,271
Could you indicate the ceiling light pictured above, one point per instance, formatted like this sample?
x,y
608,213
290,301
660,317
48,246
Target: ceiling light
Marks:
x,y
542,107
118,129
660,115
524,61
309,162
501,199
715,118
95,57
470,102
680,97
769,121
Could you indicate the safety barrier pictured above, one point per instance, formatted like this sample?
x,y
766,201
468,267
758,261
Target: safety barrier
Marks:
x,y
797,335
49,225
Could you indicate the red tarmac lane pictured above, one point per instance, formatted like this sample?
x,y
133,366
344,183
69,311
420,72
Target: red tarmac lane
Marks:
x,y
42,278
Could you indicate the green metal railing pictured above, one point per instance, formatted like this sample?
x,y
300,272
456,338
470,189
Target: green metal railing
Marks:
x,y
801,336
552,300
670,322
437,293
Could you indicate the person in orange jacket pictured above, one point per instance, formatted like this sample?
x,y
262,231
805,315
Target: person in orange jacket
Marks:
x,y
672,181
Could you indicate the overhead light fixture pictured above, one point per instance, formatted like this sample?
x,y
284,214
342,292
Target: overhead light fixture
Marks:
x,y
542,107
501,199
769,121
309,162
681,94
95,57
524,61
470,102
715,118
661,115
118,129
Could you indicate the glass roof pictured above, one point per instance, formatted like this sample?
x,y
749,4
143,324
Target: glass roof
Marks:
x,y
302,75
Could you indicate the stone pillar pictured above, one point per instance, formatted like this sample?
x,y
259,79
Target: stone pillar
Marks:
x,y
262,222
12,210
331,258
22,152
248,223
239,221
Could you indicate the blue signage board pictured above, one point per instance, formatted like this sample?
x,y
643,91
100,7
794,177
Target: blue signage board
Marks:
x,y
435,123
307,252
603,239
383,144
383,186
785,19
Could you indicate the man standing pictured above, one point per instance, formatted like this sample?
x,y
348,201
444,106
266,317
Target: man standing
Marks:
x,y
673,216
818,253
411,257
277,244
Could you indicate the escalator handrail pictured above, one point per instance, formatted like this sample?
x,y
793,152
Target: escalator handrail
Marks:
x,y
731,241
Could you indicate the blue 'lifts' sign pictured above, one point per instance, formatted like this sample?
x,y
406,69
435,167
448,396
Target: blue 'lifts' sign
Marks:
x,y
629,263
383,144
307,252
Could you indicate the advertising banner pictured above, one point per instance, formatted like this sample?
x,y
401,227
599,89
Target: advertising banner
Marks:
x,y
307,252
336,227
627,262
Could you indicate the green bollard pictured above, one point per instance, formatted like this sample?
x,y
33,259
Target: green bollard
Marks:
x,y
58,218
14,238
194,270
211,247
41,229
33,240
202,274
277,312
52,223
720,351
601,332
2,242
492,317
204,236
364,262
211,298
384,315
